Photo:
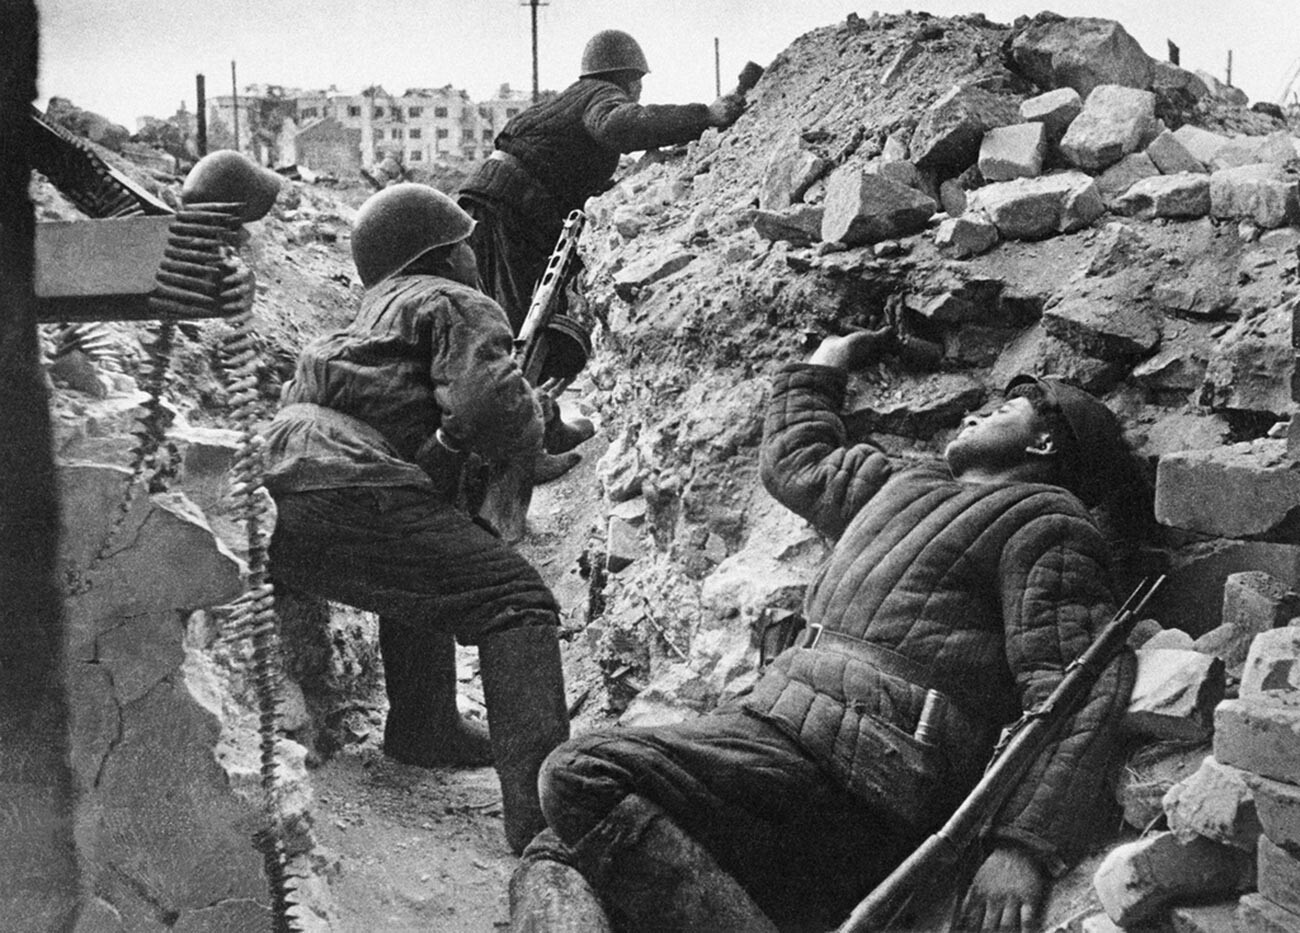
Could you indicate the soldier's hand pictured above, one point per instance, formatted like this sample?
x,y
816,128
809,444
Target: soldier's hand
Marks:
x,y
1006,895
726,110
855,350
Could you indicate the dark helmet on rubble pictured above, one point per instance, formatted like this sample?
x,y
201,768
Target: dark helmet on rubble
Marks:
x,y
1097,458
401,223
612,50
229,177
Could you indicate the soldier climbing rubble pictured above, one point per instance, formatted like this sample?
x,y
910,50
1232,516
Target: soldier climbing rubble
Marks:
x,y
975,582
365,459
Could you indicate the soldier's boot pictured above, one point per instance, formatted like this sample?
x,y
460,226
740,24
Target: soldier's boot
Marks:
x,y
424,727
523,687
651,875
548,895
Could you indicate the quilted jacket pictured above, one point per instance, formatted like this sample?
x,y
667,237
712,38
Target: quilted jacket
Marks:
x,y
989,589
570,146
422,352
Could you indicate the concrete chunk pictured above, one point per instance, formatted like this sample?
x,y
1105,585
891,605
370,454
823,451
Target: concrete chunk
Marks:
x,y
1106,330
1183,195
1171,156
1030,208
967,235
1056,110
1174,694
1279,875
789,171
1251,150
1014,151
1266,194
1137,880
1114,122
1272,669
1257,914
1080,52
623,545
1201,144
1278,807
659,265
1149,773
800,224
1249,365
1260,737
1124,174
1245,490
1203,918
861,207
947,138
1216,802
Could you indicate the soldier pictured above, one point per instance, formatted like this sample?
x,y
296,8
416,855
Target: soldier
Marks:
x,y
553,156
978,579
365,457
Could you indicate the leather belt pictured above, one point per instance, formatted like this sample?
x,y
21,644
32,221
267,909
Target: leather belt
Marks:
x,y
894,664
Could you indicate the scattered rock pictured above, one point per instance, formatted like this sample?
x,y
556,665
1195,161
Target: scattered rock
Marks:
x,y
1243,490
1272,667
1128,171
1266,194
1259,736
1174,695
948,137
799,225
1014,151
965,236
1032,208
865,208
1183,195
1056,110
1137,880
1114,122
1171,156
1081,52
1217,803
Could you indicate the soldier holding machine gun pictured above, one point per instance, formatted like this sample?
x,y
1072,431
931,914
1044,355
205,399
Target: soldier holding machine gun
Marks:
x,y
955,599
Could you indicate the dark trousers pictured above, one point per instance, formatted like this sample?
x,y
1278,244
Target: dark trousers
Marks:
x,y
745,791
512,254
409,556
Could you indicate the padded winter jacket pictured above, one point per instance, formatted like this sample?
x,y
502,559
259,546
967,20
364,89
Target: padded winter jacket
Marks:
x,y
568,148
984,591
422,352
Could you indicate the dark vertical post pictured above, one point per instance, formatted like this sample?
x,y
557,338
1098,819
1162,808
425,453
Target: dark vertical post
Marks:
x,y
38,859
1173,52
717,69
234,99
201,115
536,90
1229,81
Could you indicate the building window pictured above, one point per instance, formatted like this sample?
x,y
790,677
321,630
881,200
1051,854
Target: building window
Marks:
x,y
443,134
379,134
379,112
414,111
439,111
307,113
397,134
485,113
467,136
413,134
354,111
487,136
417,155
512,112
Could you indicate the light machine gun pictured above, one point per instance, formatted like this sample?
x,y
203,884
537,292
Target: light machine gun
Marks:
x,y
1020,747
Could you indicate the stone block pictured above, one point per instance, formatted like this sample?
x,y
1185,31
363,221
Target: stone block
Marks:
x,y
1216,802
623,545
1124,174
1014,151
1184,195
965,236
1257,914
1171,156
1278,806
1138,880
1056,110
789,171
800,225
1246,490
1279,875
659,265
1103,329
1031,208
861,207
1251,365
952,197
1114,122
1229,643
1258,601
1081,53
1192,597
1201,144
1268,195
1276,148
1272,668
1174,695
1260,737
947,138
1170,638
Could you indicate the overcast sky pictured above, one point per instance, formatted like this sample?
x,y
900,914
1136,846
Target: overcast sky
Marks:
x,y
126,58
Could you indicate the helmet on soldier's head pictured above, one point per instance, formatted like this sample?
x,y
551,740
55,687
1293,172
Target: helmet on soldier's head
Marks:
x,y
612,50
401,223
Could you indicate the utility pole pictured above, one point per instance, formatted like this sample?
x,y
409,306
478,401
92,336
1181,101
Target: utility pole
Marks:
x,y
234,101
1229,82
201,115
717,70
534,4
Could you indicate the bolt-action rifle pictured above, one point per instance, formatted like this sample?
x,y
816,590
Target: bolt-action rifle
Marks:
x,y
1019,748
531,345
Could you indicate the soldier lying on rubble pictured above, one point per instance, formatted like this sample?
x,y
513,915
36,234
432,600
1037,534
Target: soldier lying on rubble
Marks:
x,y
980,579
364,463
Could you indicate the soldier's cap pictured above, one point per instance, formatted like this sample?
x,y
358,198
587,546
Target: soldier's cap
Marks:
x,y
1101,460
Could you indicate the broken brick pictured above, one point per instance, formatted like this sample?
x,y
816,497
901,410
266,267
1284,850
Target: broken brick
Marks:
x,y
1137,880
1272,667
1257,914
1279,875
1258,736
1278,806
1216,802
1174,694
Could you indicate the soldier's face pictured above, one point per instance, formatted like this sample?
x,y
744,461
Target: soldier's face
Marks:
x,y
996,439
634,89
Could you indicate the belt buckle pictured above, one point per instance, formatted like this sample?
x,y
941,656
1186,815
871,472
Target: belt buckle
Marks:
x,y
812,635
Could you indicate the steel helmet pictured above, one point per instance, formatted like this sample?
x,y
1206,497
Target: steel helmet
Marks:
x,y
226,176
612,50
402,223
